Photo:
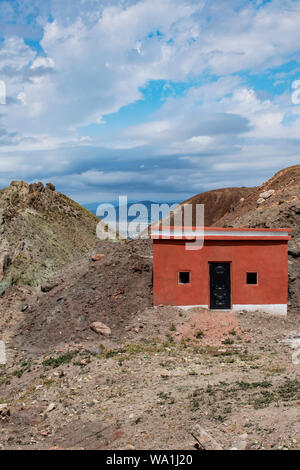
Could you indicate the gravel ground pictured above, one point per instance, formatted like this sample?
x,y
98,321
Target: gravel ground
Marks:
x,y
158,385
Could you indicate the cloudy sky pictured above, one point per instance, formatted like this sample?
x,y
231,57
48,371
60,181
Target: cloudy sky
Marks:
x,y
153,99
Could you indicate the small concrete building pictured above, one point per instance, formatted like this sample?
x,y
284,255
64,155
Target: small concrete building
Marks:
x,y
235,269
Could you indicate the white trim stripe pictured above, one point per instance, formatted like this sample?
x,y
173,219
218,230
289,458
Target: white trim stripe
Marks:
x,y
273,309
217,233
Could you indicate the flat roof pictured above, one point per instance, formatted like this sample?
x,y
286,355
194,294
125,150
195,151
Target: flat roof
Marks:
x,y
219,233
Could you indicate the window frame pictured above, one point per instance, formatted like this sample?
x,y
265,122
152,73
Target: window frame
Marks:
x,y
184,283
252,283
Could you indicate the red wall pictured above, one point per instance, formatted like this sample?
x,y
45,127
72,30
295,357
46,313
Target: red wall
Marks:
x,y
268,258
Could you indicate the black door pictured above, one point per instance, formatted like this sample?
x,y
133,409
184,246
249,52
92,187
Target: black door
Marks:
x,y
220,286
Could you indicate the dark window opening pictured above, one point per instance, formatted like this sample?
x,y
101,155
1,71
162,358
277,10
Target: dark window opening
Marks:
x,y
184,277
252,278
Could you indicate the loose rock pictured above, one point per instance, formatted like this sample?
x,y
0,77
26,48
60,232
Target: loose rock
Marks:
x,y
267,194
51,407
97,257
260,200
4,410
100,328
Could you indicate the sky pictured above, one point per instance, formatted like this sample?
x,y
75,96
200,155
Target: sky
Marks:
x,y
151,99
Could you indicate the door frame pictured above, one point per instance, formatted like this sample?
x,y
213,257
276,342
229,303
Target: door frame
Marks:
x,y
230,283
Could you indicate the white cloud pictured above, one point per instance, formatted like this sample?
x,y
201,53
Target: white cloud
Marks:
x,y
14,55
99,55
97,69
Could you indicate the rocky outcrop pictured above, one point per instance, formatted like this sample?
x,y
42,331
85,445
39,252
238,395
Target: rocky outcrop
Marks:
x,y
50,187
40,231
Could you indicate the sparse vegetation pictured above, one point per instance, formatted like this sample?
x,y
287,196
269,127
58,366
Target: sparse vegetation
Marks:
x,y
58,361
228,341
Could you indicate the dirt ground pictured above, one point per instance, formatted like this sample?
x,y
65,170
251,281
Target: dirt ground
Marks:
x,y
163,379
112,291
174,376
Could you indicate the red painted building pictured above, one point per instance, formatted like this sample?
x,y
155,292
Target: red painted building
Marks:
x,y
234,269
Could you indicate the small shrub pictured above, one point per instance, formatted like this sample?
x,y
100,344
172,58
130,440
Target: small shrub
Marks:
x,y
58,361
227,341
199,334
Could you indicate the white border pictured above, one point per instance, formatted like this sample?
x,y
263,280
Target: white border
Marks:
x,y
217,233
273,309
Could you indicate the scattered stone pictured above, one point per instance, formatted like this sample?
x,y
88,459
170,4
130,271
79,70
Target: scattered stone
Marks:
x,y
294,343
267,194
260,200
50,407
97,257
48,285
100,328
130,447
4,410
206,440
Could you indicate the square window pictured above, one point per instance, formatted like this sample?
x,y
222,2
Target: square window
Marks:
x,y
252,278
184,277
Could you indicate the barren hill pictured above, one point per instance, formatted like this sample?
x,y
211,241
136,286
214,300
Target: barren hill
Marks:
x,y
40,231
218,202
276,203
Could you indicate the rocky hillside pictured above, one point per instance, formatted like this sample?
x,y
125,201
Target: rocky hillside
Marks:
x,y
111,287
218,202
40,231
276,203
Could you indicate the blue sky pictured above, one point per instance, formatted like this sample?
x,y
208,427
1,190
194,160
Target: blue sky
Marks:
x,y
153,99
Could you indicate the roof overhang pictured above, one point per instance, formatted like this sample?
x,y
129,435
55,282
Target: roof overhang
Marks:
x,y
217,233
